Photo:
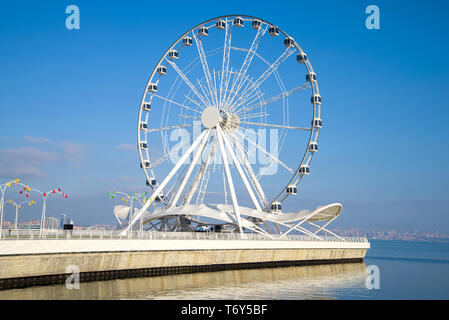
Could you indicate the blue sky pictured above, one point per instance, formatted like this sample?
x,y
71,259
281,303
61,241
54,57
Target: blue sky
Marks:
x,y
69,101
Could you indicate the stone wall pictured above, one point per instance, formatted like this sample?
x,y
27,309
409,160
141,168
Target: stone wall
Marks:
x,y
29,265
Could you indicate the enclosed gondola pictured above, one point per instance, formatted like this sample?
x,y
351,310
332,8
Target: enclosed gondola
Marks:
x,y
292,190
238,22
301,57
273,31
304,169
220,24
276,206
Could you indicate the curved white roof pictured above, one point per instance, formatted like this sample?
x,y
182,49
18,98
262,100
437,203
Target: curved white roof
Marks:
x,y
225,213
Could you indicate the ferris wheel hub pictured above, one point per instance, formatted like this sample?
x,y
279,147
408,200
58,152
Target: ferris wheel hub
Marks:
x,y
210,117
230,121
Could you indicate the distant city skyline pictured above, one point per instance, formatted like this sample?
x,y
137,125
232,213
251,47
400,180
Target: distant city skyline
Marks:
x,y
69,103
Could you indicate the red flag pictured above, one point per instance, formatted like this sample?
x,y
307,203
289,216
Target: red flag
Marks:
x,y
59,189
20,191
54,191
45,194
28,195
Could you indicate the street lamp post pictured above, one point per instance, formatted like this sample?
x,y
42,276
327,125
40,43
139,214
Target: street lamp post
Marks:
x,y
18,206
133,197
44,204
2,201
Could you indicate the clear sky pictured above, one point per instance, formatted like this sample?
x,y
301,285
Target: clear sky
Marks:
x,y
69,101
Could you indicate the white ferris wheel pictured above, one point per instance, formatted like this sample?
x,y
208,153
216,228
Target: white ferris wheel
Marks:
x,y
227,128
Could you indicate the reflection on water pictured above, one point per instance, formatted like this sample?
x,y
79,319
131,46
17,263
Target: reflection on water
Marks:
x,y
305,282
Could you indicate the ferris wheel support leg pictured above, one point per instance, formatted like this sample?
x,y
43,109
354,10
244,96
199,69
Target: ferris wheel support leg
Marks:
x,y
251,174
324,228
229,179
200,174
166,180
240,171
299,224
300,229
189,171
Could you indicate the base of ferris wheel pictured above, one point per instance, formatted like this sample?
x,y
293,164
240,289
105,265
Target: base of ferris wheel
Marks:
x,y
252,239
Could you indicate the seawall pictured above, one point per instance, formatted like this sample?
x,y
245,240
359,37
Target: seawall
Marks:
x,y
44,261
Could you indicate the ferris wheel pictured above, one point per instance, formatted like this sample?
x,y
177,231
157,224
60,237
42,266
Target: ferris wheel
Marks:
x,y
227,128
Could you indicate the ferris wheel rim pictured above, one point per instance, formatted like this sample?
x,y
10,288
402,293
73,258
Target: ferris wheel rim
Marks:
x,y
314,132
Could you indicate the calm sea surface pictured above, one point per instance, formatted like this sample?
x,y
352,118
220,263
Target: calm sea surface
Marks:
x,y
408,270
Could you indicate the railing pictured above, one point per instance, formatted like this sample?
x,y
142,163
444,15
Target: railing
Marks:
x,y
23,234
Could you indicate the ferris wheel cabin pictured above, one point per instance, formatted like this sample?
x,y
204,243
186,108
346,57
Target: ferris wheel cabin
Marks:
x,y
292,190
143,126
220,24
146,106
317,123
316,99
276,207
313,147
311,77
238,22
256,24
151,182
145,164
301,57
304,169
173,54
273,31
143,145
187,41
152,87
162,70
289,42
203,31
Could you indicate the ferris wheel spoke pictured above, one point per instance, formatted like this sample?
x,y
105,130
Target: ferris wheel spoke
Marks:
x,y
187,81
273,99
193,101
276,126
208,97
266,152
226,56
255,115
177,103
166,156
273,67
251,100
246,63
206,70
188,117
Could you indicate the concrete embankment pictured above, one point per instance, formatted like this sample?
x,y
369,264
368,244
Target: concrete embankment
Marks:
x,y
39,262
